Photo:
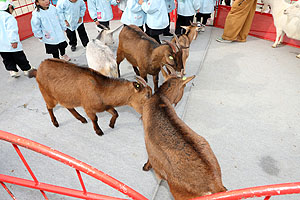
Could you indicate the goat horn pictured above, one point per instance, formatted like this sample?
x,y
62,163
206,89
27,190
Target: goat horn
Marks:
x,y
177,41
117,28
103,27
141,81
171,45
171,69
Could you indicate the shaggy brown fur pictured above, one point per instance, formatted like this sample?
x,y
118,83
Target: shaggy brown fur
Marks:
x,y
147,54
72,86
185,40
176,153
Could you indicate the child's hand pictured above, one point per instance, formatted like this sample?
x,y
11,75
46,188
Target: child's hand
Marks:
x,y
97,23
141,2
14,45
80,20
67,23
118,1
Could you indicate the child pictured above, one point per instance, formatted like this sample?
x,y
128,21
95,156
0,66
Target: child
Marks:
x,y
72,12
186,11
10,45
206,8
156,17
47,26
101,11
133,14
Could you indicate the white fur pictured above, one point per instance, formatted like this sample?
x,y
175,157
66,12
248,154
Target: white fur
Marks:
x,y
284,24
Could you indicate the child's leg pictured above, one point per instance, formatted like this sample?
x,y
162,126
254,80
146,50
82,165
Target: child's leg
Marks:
x,y
198,17
21,60
106,24
72,37
82,35
8,61
205,18
62,48
55,54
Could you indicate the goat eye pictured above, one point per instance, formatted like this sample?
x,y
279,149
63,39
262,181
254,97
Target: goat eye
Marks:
x,y
184,78
171,57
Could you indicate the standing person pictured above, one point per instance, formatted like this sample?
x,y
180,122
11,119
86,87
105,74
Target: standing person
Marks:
x,y
170,7
72,12
10,46
238,21
101,11
133,14
49,28
206,8
156,17
186,11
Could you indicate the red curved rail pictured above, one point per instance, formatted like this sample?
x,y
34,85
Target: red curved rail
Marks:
x,y
261,191
68,160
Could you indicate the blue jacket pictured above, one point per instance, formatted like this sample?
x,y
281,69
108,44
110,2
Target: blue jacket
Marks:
x,y
133,14
8,33
157,14
122,5
46,24
71,12
207,6
101,9
188,7
170,5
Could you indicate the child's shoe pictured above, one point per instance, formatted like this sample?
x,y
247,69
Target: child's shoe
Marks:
x,y
66,57
14,74
73,48
27,72
203,28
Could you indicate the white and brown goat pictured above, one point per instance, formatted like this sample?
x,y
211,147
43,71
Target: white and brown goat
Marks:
x,y
145,54
176,153
71,86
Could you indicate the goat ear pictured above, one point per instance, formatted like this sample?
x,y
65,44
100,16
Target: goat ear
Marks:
x,y
185,27
164,73
187,79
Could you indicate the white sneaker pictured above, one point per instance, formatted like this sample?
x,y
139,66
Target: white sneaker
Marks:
x,y
202,29
65,57
14,74
27,72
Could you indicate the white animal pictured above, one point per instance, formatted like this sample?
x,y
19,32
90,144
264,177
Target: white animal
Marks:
x,y
283,23
99,56
293,11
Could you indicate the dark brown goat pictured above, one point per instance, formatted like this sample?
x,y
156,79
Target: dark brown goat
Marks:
x,y
64,83
176,153
185,40
147,54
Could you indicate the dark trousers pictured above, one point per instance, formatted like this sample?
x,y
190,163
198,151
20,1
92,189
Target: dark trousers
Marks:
x,y
204,16
182,21
12,59
106,24
227,2
55,49
82,35
167,29
154,33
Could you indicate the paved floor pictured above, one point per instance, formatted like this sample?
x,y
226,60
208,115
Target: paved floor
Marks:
x,y
245,101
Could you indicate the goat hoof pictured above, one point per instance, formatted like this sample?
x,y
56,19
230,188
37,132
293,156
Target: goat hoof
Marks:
x,y
99,132
112,125
56,124
146,167
83,121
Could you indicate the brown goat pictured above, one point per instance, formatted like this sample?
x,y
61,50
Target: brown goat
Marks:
x,y
147,54
176,153
185,40
72,86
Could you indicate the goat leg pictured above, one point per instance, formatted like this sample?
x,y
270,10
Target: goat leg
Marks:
x,y
136,70
94,119
147,166
278,34
53,118
114,117
77,115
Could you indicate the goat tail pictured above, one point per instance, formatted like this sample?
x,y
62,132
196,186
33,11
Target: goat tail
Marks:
x,y
32,73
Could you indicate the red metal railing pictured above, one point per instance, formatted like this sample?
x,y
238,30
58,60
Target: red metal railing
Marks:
x,y
67,160
261,191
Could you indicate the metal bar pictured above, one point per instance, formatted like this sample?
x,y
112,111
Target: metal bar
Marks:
x,y
8,191
28,168
81,181
72,162
54,189
260,191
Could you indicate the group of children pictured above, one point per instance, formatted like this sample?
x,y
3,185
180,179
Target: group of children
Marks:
x,y
49,23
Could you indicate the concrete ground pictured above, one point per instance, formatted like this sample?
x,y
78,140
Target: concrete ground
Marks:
x,y
245,100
